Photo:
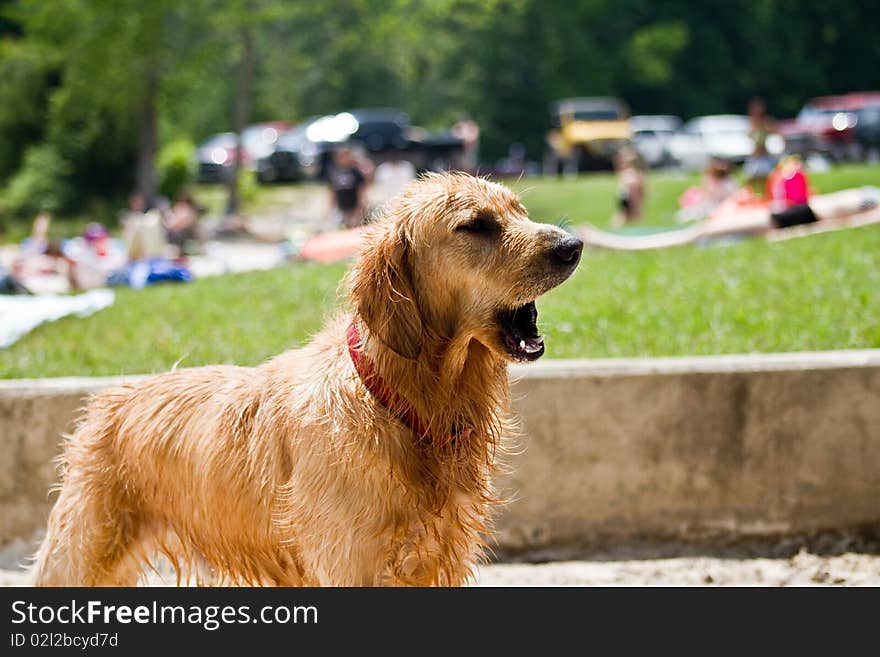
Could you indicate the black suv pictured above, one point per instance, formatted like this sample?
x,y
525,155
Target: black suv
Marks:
x,y
381,130
306,151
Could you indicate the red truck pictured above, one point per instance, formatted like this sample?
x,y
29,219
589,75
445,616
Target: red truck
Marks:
x,y
827,125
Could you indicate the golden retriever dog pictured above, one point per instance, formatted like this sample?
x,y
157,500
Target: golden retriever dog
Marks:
x,y
362,459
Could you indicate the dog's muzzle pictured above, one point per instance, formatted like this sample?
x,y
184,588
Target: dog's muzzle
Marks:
x,y
566,253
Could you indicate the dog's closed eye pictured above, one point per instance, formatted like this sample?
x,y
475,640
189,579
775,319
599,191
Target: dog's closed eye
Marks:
x,y
482,223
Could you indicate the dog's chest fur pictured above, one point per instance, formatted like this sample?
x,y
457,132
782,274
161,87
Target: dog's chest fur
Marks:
x,y
364,502
384,534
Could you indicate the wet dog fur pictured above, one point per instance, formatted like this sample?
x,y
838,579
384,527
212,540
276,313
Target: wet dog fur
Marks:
x,y
292,472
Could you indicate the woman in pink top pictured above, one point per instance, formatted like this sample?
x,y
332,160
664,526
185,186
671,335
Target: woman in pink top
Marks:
x,y
789,194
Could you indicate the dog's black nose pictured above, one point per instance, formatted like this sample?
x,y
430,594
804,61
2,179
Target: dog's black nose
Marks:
x,y
568,250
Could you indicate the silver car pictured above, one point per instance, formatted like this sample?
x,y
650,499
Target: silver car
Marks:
x,y
723,136
651,135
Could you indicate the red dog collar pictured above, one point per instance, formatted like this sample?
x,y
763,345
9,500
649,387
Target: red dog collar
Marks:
x,y
383,393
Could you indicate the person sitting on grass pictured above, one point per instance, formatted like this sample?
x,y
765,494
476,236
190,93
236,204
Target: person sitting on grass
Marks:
x,y
181,222
39,266
789,192
700,201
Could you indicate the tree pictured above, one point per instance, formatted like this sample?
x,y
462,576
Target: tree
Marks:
x,y
242,113
238,25
110,58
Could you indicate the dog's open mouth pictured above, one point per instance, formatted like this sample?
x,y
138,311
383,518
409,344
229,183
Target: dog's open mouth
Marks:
x,y
519,332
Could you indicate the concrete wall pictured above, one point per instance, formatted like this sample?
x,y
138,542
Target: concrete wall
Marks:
x,y
33,415
685,449
695,449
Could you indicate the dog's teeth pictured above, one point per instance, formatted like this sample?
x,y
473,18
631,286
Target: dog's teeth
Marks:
x,y
533,345
522,344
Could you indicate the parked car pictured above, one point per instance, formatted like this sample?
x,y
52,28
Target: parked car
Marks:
x,y
868,131
433,151
586,133
295,157
306,152
259,140
722,136
827,125
824,125
386,129
651,137
216,155
380,130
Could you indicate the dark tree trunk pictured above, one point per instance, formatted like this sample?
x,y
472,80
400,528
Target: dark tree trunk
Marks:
x,y
242,112
146,160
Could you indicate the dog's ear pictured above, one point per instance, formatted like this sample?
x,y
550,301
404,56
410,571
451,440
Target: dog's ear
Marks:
x,y
384,295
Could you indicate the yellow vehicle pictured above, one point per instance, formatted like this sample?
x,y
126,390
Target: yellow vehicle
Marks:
x,y
586,133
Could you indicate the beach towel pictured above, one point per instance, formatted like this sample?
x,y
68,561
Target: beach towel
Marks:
x,y
21,314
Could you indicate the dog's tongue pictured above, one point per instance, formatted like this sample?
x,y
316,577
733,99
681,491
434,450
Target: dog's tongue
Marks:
x,y
531,345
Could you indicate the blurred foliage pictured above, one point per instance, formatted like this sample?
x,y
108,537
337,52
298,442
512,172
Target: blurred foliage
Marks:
x,y
248,187
175,165
40,184
23,101
74,71
652,51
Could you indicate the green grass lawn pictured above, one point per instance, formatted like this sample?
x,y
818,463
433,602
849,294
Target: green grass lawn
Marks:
x,y
818,292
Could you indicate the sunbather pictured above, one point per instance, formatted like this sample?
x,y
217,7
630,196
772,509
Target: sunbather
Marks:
x,y
736,218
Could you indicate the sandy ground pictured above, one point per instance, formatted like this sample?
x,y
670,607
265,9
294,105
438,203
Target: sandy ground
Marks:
x,y
803,569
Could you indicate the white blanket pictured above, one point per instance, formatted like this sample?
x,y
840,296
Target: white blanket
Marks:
x,y
21,314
